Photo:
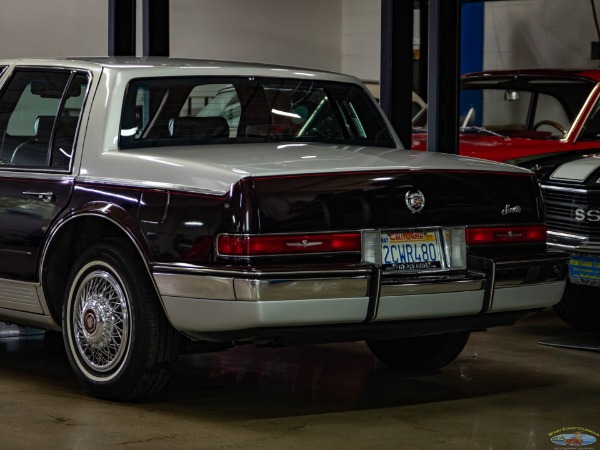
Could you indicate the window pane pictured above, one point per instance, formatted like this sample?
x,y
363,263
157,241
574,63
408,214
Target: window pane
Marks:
x,y
28,118
66,129
184,111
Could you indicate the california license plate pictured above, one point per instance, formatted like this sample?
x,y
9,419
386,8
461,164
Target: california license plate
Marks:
x,y
411,249
584,270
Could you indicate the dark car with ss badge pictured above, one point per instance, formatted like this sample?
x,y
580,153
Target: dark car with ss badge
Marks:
x,y
571,190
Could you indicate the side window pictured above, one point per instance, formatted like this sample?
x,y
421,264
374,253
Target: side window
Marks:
x,y
29,108
550,116
66,128
591,131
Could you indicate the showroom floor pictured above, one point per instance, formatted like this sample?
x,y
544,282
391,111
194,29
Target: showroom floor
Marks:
x,y
505,391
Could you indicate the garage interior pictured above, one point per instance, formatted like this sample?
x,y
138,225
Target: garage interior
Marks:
x,y
511,387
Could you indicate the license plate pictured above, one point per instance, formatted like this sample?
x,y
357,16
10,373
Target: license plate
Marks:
x,y
411,249
585,269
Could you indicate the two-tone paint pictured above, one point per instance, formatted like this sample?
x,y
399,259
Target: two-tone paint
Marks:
x,y
170,204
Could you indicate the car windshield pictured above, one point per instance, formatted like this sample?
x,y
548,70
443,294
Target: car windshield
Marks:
x,y
520,106
186,111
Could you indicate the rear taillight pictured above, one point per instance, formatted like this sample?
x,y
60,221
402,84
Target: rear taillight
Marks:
x,y
506,235
287,244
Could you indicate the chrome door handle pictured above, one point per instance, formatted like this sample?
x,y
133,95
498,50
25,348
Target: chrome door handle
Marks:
x,y
46,197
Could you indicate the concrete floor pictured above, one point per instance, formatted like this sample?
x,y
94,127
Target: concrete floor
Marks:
x,y
505,391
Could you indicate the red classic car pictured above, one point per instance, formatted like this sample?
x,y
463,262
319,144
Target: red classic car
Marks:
x,y
509,115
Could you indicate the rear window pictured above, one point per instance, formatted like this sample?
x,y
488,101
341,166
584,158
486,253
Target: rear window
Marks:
x,y
185,111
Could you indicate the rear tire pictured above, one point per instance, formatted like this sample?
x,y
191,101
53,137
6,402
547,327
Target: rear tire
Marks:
x,y
118,339
580,307
422,353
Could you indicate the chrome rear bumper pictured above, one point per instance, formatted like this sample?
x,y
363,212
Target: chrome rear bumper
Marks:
x,y
199,299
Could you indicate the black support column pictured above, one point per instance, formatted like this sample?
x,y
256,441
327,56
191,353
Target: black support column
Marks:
x,y
156,28
443,75
396,65
424,45
121,27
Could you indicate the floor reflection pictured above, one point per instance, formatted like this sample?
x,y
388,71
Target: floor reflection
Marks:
x,y
331,377
504,383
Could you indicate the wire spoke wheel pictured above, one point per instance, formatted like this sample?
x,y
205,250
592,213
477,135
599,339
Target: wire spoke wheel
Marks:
x,y
118,339
101,321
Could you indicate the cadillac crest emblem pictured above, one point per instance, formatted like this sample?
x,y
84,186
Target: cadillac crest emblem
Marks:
x,y
415,201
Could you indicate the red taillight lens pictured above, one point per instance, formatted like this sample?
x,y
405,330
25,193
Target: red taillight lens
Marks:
x,y
240,245
506,235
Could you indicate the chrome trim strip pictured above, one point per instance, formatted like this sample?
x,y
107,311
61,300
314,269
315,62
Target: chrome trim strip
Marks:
x,y
566,235
255,290
564,189
591,248
432,288
142,184
192,269
587,108
35,174
313,288
219,284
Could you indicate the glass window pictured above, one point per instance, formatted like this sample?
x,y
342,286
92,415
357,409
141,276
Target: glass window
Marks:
x,y
591,130
29,107
183,111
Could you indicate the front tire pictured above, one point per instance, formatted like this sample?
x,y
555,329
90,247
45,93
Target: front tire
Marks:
x,y
118,339
421,353
580,307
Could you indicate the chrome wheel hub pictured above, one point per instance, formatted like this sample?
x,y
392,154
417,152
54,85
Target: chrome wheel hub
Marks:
x,y
101,321
98,322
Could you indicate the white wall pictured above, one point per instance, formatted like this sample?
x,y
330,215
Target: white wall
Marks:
x,y
53,28
303,33
539,33
360,40
339,35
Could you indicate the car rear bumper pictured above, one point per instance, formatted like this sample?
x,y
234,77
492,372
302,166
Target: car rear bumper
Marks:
x,y
198,300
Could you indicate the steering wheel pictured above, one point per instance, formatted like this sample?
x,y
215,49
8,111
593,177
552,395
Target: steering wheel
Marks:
x,y
551,123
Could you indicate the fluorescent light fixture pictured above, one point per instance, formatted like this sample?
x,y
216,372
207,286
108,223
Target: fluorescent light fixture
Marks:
x,y
286,114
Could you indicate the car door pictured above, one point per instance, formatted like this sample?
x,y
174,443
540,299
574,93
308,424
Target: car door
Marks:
x,y
39,117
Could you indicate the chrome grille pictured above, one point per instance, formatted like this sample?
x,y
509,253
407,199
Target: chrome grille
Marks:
x,y
560,205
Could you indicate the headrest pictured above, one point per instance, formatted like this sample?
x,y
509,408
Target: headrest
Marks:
x,y
199,127
43,127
